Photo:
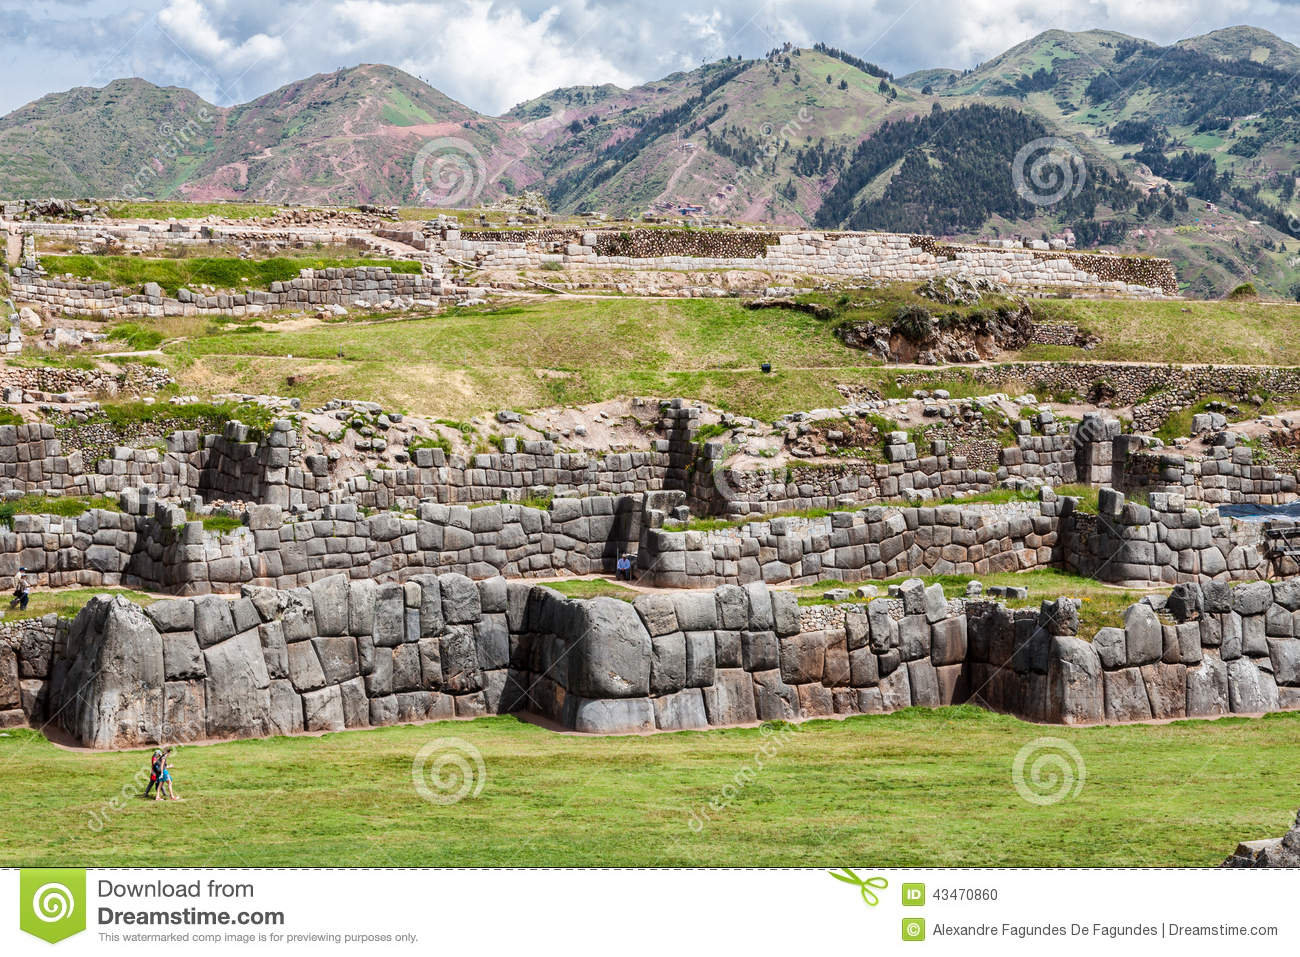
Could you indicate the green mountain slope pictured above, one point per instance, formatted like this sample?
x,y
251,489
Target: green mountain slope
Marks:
x,y
1192,151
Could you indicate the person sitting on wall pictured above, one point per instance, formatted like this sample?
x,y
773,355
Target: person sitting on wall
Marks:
x,y
624,567
22,591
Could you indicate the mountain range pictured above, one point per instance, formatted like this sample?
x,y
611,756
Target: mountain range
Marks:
x,y
1190,151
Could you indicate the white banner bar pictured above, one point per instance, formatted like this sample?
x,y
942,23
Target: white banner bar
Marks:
x,y
653,912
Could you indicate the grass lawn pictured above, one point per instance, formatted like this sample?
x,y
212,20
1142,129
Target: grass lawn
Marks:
x,y
1102,605
553,351
223,273
1177,331
549,352
913,788
68,601
165,209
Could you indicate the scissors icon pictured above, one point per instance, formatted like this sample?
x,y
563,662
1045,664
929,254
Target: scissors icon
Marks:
x,y
865,885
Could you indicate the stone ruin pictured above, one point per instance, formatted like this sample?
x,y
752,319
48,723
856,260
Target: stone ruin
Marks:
x,y
1281,851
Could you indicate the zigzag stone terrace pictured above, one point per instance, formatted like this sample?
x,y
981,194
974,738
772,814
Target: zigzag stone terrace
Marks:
x,y
321,613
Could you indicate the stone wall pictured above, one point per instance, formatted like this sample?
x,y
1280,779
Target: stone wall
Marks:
x,y
892,257
312,289
353,654
875,543
1223,650
40,383
717,489
1169,541
155,546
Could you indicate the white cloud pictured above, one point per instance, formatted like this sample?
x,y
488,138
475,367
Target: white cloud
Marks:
x,y
491,54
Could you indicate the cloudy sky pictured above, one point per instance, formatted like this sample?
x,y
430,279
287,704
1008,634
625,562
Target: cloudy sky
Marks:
x,y
491,55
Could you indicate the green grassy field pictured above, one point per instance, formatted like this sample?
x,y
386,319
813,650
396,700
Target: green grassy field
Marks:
x,y
1101,605
556,351
541,353
68,601
913,788
219,272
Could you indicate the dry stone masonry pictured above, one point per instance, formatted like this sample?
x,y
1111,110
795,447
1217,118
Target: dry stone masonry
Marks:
x,y
352,654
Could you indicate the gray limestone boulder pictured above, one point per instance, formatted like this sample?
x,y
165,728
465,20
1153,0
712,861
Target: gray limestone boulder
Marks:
x,y
1284,653
702,659
682,711
759,650
895,689
1125,695
172,614
1166,686
733,608
730,699
458,657
213,622
611,652
923,680
460,599
612,715
329,597
238,699
1184,601
1111,645
323,709
1251,690
390,615
668,661
658,612
936,604
1216,597
186,712
912,592
338,658
1207,689
285,715
774,700
1074,679
696,611
361,607
274,649
914,637
761,617
803,657
884,628
108,690
785,613
182,658
1252,598
948,641
305,672
1144,637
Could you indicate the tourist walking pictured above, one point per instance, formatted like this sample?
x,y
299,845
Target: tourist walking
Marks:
x,y
22,590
